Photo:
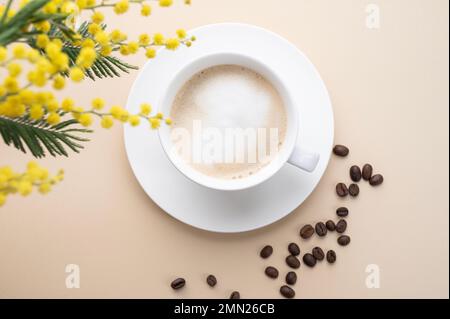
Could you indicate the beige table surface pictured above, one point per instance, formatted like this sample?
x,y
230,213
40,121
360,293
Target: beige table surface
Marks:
x,y
389,89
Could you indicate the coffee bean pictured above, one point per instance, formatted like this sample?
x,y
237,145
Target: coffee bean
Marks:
x,y
309,260
211,280
331,256
342,211
367,172
341,226
318,253
343,240
291,278
235,295
266,252
271,272
353,190
287,292
331,226
306,231
321,229
293,262
341,150
178,283
294,249
376,180
355,173
341,190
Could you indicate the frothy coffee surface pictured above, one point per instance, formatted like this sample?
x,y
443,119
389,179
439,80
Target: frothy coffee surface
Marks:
x,y
229,97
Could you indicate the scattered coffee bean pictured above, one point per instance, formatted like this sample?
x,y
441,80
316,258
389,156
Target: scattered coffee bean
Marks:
x,y
293,262
341,150
343,240
291,278
353,190
355,173
367,172
342,211
318,253
266,252
287,292
178,283
341,226
341,190
271,272
331,226
376,180
309,260
321,229
211,280
331,256
306,232
294,249
235,295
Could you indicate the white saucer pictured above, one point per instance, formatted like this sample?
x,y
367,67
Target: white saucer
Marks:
x,y
249,209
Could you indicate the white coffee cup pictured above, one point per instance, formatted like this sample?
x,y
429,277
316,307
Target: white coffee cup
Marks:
x,y
291,152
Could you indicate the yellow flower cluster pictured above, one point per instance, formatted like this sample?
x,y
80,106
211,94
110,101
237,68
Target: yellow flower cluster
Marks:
x,y
44,105
118,113
17,99
149,43
116,40
22,86
35,177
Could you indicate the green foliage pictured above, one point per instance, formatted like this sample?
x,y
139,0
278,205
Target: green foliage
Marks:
x,y
12,30
104,66
38,136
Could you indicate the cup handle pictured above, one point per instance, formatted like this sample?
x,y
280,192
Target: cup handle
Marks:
x,y
304,159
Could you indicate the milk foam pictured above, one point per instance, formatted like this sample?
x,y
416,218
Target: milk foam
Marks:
x,y
229,96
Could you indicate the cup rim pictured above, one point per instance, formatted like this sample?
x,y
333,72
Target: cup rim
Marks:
x,y
247,182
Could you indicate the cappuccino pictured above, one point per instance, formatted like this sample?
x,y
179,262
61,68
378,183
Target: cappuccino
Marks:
x,y
229,122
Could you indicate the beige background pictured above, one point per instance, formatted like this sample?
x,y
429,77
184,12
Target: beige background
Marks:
x,y
389,89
